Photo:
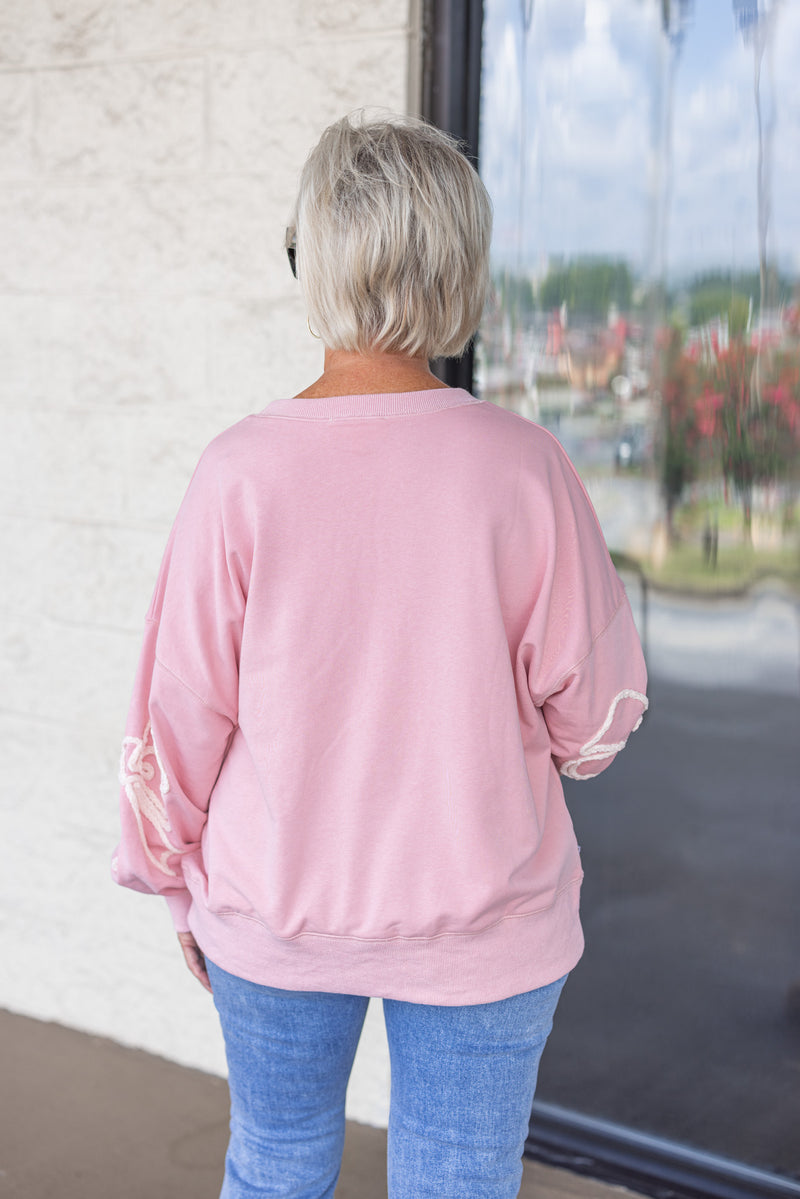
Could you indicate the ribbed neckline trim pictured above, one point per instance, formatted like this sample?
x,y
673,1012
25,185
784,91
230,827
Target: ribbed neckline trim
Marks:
x,y
385,404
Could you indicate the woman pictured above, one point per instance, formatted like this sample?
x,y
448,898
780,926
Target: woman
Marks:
x,y
385,621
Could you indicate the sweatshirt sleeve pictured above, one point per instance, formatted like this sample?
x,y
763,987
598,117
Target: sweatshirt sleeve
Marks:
x,y
584,662
185,700
600,701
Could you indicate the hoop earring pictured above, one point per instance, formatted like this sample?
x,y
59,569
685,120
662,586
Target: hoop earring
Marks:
x,y
311,331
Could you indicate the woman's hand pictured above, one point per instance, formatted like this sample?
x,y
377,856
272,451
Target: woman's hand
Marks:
x,y
194,959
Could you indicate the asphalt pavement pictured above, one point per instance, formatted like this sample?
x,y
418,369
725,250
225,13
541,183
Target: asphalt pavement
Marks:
x,y
683,1018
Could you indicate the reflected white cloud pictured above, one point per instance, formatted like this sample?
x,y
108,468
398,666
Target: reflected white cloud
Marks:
x,y
595,80
589,129
565,24
500,104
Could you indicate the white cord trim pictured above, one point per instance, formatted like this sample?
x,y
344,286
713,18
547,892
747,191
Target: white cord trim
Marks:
x,y
135,774
594,750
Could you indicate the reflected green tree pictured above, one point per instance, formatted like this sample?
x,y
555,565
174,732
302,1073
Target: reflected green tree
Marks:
x,y
588,286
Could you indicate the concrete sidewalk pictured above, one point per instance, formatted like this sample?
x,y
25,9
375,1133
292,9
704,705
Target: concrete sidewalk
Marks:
x,y
84,1118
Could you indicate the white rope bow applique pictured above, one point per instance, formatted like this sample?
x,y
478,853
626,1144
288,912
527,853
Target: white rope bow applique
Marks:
x,y
137,770
594,750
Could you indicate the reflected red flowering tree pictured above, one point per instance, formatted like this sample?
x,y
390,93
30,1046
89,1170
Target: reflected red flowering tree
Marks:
x,y
756,440
713,419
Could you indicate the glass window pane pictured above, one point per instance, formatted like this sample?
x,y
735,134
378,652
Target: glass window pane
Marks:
x,y
643,161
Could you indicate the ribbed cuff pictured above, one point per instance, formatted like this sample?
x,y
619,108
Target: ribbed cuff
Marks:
x,y
179,906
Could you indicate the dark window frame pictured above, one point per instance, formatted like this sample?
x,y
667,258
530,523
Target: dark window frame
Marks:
x,y
451,99
451,92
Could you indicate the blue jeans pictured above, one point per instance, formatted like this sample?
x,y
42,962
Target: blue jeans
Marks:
x,y
463,1080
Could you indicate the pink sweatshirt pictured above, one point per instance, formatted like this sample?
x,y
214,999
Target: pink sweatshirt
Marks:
x,y
383,625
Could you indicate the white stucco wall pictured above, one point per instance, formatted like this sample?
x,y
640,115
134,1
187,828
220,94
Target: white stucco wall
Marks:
x,y
148,155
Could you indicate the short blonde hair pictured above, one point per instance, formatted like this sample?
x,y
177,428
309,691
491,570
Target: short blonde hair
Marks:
x,y
393,226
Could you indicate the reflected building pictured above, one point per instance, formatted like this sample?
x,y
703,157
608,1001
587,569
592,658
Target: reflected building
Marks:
x,y
642,160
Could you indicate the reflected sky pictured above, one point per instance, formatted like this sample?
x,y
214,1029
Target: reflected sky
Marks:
x,y
618,118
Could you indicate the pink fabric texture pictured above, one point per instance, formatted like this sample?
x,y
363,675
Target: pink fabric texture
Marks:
x,y
382,626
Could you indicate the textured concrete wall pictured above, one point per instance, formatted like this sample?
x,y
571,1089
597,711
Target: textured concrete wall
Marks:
x,y
148,156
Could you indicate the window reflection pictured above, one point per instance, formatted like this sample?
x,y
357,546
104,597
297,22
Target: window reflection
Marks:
x,y
642,157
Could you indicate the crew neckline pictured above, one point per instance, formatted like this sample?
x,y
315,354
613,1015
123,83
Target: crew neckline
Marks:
x,y
381,404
